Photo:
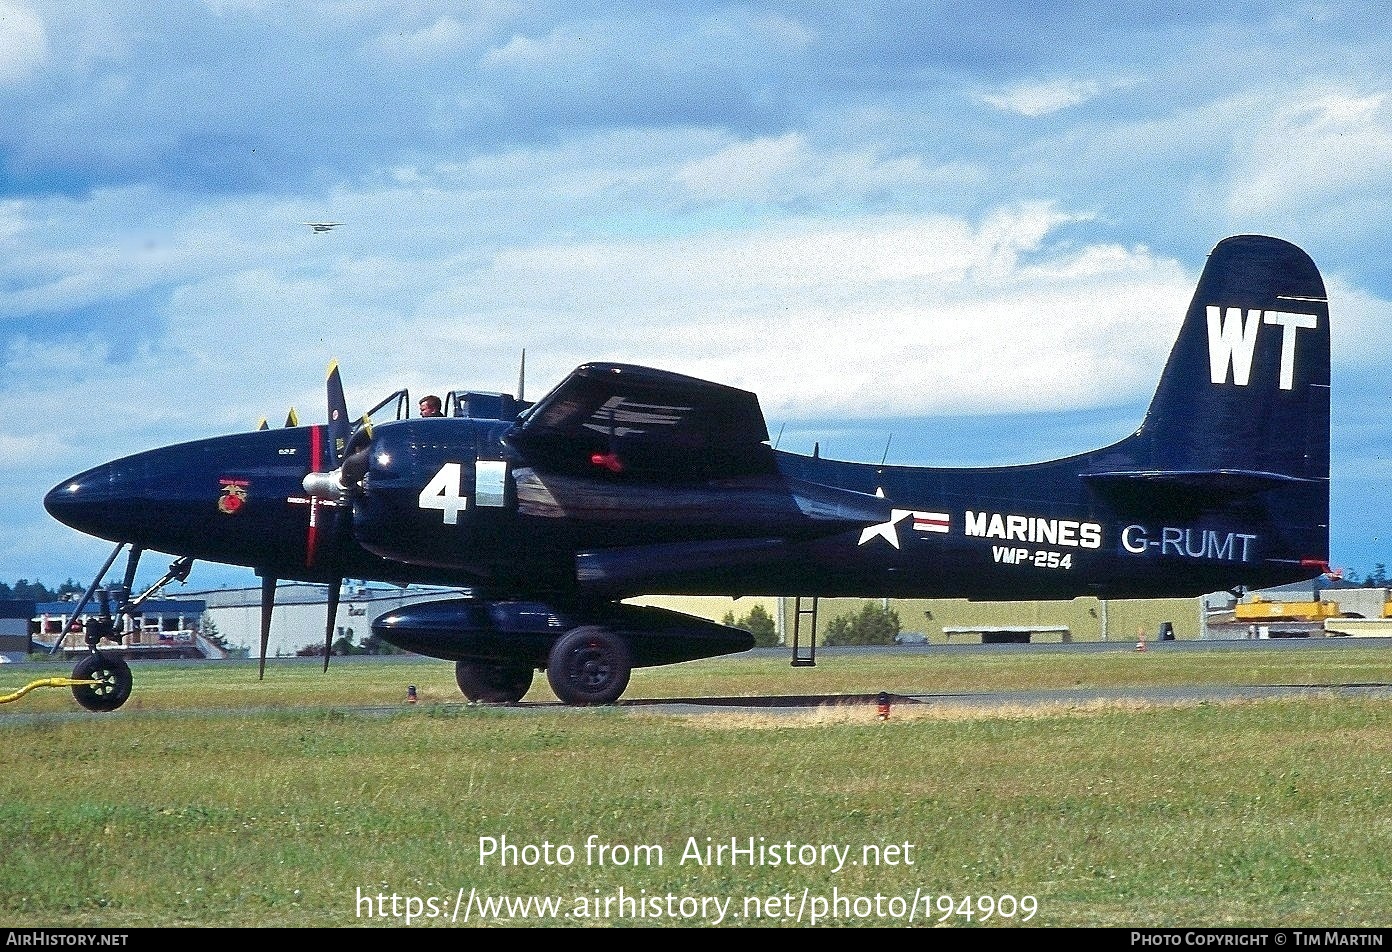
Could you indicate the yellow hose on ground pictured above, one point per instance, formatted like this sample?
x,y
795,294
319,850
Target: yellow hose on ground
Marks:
x,y
45,683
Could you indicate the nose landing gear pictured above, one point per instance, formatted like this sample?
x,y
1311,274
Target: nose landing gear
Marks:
x,y
102,681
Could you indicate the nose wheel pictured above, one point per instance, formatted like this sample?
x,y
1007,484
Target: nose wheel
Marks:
x,y
110,679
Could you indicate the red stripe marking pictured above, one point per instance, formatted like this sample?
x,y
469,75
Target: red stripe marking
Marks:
x,y
316,450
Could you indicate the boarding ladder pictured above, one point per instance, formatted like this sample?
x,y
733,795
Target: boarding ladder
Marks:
x,y
804,658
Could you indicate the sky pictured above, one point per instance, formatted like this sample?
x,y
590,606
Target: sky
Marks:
x,y
935,233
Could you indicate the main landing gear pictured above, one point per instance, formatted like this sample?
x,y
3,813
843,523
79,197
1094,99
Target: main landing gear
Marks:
x,y
491,683
587,649
588,665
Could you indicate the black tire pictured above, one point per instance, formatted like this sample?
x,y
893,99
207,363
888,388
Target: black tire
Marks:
x,y
493,683
589,665
114,676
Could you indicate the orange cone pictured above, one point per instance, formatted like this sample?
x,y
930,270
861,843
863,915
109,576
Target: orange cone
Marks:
x,y
1140,639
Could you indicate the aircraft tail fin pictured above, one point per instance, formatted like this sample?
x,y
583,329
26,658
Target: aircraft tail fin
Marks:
x,y
1246,388
1239,426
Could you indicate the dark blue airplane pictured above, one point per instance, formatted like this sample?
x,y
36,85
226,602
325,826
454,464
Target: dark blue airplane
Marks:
x,y
626,480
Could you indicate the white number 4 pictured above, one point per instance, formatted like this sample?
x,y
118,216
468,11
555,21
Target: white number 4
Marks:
x,y
442,492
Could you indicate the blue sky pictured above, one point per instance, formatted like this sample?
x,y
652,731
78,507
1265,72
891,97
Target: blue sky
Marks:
x,y
964,231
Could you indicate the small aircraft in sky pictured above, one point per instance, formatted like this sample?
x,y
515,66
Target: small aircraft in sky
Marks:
x,y
627,480
323,226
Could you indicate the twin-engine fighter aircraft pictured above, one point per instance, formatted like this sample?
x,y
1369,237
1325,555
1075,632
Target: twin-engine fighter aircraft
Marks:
x,y
626,481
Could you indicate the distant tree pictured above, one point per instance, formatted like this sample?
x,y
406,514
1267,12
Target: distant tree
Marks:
x,y
759,623
378,646
343,644
38,591
207,627
35,591
872,625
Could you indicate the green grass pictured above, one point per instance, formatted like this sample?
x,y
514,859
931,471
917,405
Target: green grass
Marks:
x,y
289,803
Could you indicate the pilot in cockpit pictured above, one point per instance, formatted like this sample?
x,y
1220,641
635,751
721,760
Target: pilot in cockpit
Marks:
x,y
430,406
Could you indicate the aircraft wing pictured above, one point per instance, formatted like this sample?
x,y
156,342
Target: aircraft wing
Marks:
x,y
645,424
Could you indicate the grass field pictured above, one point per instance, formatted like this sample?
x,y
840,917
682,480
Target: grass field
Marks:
x,y
324,800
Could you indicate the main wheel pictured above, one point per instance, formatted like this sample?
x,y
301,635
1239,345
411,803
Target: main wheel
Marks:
x,y
589,665
113,677
493,683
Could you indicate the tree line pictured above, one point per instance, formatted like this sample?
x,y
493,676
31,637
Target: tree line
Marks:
x,y
26,590
872,625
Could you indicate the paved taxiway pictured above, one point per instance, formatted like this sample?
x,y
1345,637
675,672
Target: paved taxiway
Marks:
x,y
1171,694
1146,694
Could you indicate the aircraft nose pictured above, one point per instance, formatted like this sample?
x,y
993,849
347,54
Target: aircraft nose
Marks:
x,y
234,499
85,502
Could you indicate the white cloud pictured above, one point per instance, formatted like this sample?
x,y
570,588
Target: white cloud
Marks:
x,y
23,41
1359,322
788,171
1042,98
12,220
443,37
552,51
885,316
800,207
744,167
1321,150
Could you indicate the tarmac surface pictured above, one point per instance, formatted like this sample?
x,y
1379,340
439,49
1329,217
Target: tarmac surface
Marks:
x,y
787,704
1171,694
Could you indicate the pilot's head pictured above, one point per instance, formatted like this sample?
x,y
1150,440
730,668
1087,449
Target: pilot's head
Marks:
x,y
430,406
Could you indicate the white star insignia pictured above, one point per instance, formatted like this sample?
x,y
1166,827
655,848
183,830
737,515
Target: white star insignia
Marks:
x,y
886,529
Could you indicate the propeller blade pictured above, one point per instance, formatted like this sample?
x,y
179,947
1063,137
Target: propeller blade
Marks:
x,y
268,590
354,464
291,419
328,446
522,375
335,589
338,415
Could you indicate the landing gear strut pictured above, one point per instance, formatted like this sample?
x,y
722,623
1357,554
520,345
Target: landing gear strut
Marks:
x,y
106,676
